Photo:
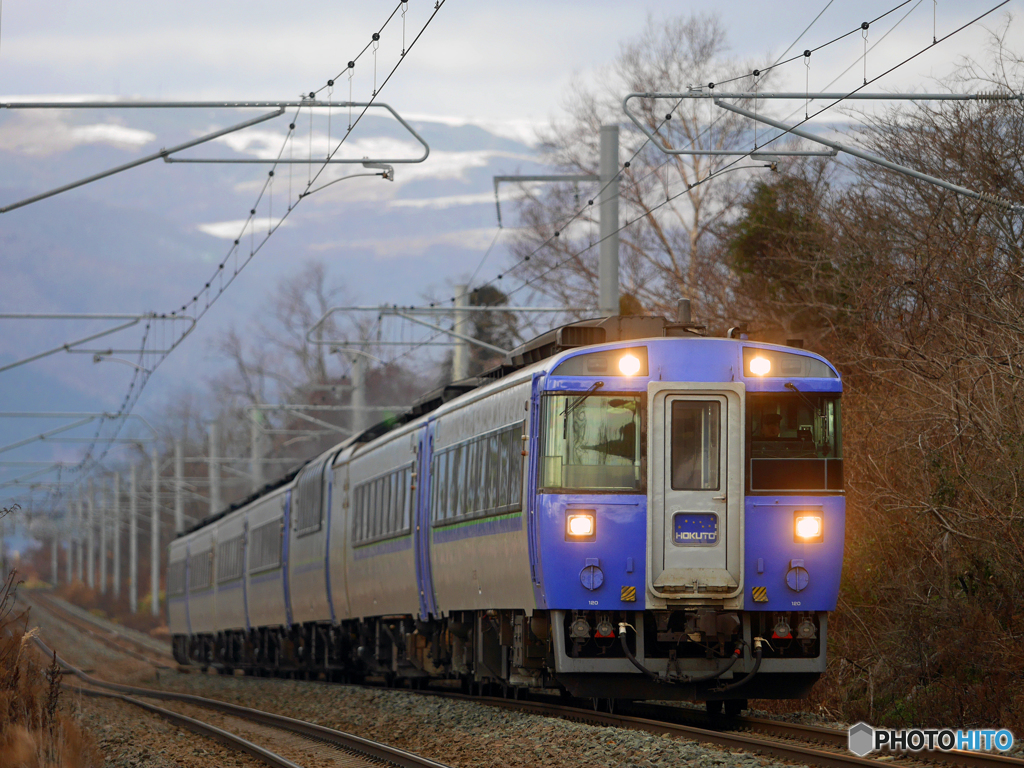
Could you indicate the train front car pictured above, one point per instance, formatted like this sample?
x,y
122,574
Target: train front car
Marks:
x,y
689,515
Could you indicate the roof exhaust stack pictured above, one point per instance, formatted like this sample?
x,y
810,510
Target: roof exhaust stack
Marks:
x,y
683,312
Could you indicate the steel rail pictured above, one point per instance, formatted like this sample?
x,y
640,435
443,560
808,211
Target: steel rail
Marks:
x,y
373,750
780,749
831,737
664,719
231,740
103,634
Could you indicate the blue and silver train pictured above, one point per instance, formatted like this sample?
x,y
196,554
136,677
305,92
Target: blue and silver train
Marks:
x,y
625,509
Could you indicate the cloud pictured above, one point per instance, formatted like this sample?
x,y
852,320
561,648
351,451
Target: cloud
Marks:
x,y
413,245
230,230
264,145
523,130
46,133
439,164
438,203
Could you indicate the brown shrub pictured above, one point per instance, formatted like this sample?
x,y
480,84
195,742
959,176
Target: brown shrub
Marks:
x,y
34,729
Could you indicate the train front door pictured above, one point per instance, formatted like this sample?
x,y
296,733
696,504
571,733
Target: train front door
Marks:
x,y
695,489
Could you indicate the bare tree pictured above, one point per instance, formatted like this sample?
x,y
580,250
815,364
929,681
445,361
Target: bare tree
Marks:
x,y
918,294
672,248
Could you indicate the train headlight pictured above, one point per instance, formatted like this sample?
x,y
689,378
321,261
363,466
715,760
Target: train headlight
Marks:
x,y
760,366
579,526
808,527
629,365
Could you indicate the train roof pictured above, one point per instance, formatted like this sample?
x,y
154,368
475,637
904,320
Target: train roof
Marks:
x,y
523,359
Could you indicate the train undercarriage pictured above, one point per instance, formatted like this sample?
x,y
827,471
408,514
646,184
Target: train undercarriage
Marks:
x,y
687,653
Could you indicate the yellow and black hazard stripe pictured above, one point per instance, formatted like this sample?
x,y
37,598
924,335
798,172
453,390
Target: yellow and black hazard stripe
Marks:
x,y
760,594
628,594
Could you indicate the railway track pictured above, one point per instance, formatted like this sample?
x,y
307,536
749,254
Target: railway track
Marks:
x,y
793,742
810,745
119,641
329,747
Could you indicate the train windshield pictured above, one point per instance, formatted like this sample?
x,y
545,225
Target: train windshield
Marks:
x,y
795,442
593,442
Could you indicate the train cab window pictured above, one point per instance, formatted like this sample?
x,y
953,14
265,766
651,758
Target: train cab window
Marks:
x,y
593,442
794,442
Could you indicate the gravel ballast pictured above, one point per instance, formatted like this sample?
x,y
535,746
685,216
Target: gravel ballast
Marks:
x,y
459,733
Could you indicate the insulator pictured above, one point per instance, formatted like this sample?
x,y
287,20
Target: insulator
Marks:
x,y
999,95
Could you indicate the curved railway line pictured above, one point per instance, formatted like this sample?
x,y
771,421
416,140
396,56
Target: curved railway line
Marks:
x,y
793,742
332,747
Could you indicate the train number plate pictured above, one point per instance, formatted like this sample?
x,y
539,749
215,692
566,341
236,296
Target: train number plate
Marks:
x,y
692,529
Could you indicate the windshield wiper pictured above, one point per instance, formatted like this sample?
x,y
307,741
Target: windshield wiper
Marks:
x,y
792,388
570,407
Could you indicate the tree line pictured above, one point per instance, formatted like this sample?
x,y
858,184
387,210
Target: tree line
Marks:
x,y
916,293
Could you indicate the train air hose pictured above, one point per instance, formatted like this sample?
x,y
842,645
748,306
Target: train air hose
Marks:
x,y
757,665
696,678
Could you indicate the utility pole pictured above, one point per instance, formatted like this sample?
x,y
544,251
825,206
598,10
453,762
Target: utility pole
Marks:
x,y
154,537
214,469
256,450
460,358
103,541
133,541
90,537
79,570
115,527
608,265
179,479
71,549
608,213
53,558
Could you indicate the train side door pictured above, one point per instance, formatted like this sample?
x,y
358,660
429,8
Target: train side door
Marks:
x,y
696,489
421,522
188,576
532,447
286,526
245,571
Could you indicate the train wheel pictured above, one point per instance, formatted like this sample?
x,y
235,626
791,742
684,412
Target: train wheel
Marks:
x,y
733,707
714,708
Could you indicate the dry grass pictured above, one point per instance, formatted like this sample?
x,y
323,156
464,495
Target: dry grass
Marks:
x,y
37,727
116,609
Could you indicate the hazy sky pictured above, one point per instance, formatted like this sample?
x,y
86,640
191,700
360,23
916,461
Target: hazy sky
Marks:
x,y
485,60
503,66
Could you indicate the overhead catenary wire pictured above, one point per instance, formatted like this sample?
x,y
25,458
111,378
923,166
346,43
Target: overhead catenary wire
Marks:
x,y
738,159
208,296
701,181
569,219
717,172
